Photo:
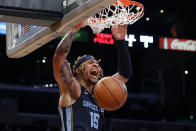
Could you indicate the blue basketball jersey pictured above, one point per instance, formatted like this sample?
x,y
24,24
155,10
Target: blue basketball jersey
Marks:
x,y
83,115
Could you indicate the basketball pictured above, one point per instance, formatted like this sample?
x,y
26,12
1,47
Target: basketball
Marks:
x,y
110,93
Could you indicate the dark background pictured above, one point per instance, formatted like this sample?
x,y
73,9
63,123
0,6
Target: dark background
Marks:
x,y
161,96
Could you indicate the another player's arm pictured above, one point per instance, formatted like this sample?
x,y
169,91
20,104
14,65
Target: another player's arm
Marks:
x,y
69,86
124,61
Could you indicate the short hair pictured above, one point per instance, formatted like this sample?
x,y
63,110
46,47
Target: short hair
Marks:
x,y
79,62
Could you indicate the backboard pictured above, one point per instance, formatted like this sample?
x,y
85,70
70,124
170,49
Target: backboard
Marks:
x,y
20,43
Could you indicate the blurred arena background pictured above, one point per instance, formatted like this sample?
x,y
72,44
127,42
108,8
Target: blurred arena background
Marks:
x,y
161,91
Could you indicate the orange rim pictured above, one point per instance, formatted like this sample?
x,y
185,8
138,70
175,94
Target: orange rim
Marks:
x,y
129,2
125,3
77,25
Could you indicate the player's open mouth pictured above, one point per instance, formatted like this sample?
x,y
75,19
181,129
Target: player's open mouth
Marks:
x,y
94,73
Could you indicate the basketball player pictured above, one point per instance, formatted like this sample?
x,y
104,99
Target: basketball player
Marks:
x,y
77,108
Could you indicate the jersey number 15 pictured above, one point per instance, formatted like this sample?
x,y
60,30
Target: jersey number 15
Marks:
x,y
94,119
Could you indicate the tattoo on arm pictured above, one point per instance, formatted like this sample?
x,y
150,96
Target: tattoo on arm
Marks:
x,y
66,78
65,44
66,73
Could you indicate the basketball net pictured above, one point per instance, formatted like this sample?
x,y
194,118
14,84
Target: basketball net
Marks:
x,y
121,12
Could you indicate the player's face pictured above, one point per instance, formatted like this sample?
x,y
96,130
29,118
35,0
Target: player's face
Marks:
x,y
92,70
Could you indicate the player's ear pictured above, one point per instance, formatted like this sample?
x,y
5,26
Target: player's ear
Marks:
x,y
77,71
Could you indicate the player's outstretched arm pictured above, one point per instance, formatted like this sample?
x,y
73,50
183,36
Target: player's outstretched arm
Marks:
x,y
124,61
69,86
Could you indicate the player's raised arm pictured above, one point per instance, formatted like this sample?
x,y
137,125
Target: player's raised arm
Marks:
x,y
69,86
124,61
64,46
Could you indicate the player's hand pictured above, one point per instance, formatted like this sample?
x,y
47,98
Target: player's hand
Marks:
x,y
78,27
119,32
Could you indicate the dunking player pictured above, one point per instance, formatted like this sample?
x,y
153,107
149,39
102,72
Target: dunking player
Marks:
x,y
77,108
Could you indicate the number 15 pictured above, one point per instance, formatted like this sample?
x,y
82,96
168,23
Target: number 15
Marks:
x,y
94,119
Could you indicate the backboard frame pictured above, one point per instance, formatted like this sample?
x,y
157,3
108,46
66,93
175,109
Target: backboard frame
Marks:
x,y
82,10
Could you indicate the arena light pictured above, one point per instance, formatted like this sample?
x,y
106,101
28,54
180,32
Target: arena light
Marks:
x,y
186,72
161,11
147,18
43,61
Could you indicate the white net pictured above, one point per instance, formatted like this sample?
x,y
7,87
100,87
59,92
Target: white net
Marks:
x,y
116,14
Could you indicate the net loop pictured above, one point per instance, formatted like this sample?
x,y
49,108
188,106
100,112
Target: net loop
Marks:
x,y
121,12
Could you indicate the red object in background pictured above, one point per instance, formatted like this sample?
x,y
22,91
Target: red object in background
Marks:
x,y
177,44
174,33
103,38
25,28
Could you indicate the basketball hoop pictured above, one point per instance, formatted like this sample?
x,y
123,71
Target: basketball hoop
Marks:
x,y
121,12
